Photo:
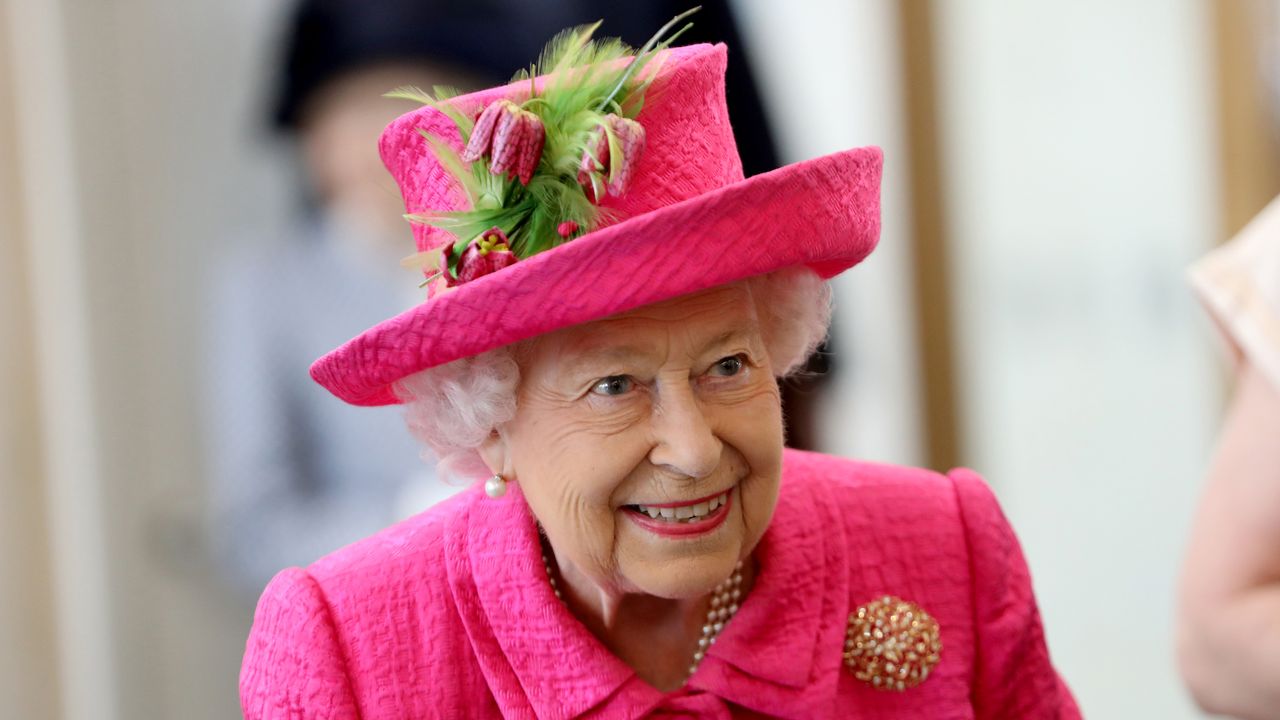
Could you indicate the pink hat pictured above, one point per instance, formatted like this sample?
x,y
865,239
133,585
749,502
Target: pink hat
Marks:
x,y
667,215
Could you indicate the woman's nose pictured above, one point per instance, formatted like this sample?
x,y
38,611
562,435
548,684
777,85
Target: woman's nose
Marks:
x,y
685,441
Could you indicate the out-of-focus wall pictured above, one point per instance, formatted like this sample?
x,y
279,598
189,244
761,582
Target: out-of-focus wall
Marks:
x,y
28,667
1081,154
829,73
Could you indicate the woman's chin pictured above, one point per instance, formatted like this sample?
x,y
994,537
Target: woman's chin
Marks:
x,y
683,578
677,565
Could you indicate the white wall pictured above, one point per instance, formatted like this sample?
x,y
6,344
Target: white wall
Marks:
x,y
1080,168
829,73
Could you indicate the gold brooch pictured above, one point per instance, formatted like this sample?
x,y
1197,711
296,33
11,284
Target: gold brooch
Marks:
x,y
892,644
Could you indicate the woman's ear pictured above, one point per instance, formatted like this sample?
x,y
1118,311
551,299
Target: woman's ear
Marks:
x,y
493,450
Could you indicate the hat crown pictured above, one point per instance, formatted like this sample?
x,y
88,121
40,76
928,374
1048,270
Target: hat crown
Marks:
x,y
689,147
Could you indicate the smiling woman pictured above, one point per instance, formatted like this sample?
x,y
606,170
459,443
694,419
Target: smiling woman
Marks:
x,y
611,308
670,416
627,429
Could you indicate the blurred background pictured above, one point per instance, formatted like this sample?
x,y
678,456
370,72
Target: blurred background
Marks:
x,y
1051,169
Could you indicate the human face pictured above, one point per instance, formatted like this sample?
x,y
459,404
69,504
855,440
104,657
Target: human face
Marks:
x,y
670,405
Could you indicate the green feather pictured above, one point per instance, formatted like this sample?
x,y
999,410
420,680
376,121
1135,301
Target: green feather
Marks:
x,y
410,92
563,50
647,50
439,102
445,92
615,152
585,79
473,184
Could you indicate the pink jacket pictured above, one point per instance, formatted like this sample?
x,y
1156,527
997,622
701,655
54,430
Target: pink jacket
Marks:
x,y
450,615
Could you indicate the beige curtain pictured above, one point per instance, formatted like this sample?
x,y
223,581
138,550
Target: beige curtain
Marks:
x,y
54,614
126,159
28,677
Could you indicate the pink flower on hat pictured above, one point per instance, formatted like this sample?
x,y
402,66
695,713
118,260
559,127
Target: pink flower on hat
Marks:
x,y
486,254
596,167
511,137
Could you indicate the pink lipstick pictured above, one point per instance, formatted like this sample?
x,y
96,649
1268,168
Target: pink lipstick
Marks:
x,y
683,519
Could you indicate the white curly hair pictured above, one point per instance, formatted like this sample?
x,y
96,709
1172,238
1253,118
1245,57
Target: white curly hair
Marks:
x,y
452,408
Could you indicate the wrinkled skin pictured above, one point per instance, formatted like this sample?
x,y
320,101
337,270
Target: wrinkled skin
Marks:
x,y
671,402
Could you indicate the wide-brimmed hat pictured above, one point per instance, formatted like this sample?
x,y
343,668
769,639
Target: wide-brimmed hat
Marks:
x,y
682,220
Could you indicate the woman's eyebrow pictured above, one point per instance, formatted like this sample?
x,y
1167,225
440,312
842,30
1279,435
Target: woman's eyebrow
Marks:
x,y
588,353
740,332
607,354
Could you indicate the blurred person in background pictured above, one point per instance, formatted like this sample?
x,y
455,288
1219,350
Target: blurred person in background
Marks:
x,y
294,473
1229,620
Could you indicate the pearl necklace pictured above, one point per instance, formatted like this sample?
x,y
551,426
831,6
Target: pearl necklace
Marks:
x,y
724,605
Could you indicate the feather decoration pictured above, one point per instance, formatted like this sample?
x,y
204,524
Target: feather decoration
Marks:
x,y
439,102
588,82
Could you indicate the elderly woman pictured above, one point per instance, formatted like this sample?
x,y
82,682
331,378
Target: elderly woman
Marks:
x,y
611,307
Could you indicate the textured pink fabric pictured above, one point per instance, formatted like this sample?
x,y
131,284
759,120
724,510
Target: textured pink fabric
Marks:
x,y
691,223
450,615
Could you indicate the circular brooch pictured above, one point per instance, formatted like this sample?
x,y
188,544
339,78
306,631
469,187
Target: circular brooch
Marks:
x,y
891,644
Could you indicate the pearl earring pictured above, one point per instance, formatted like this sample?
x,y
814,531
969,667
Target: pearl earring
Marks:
x,y
496,486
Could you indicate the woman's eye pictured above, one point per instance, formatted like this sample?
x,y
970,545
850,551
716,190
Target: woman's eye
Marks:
x,y
613,385
728,367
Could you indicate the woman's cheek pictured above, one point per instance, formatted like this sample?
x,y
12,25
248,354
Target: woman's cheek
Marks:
x,y
751,412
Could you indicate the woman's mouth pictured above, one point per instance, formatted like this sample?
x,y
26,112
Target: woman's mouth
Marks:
x,y
693,517
683,513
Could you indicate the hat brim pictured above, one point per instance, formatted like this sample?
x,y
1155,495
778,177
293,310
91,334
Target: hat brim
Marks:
x,y
823,213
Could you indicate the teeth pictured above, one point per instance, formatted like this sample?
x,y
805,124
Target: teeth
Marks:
x,y
685,513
